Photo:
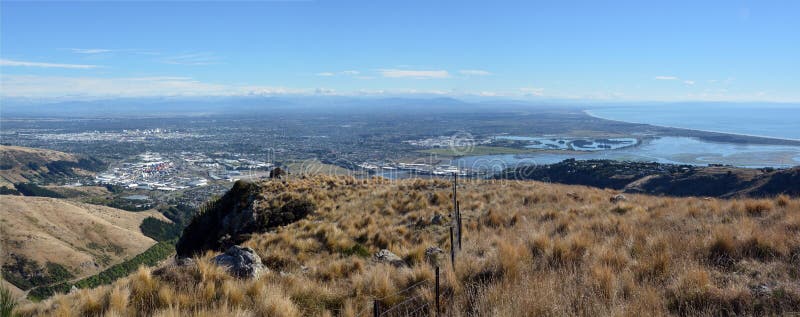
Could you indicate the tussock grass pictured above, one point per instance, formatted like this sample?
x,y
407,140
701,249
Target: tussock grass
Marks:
x,y
529,249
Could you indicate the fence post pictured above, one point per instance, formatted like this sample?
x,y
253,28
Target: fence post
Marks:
x,y
452,249
437,291
460,227
375,308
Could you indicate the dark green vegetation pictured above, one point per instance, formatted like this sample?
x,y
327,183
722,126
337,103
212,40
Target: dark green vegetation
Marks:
x,y
150,257
26,274
665,179
241,212
66,169
159,230
121,203
9,191
31,189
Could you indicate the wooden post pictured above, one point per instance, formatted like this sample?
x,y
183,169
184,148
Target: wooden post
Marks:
x,y
452,249
437,291
375,308
460,227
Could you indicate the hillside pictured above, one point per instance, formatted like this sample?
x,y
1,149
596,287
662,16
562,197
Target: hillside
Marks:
x,y
48,240
529,249
22,165
665,179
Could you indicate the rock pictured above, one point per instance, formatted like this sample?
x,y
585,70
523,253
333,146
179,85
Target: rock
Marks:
x,y
233,218
574,195
761,289
241,262
437,219
618,198
276,173
73,289
386,256
433,255
183,261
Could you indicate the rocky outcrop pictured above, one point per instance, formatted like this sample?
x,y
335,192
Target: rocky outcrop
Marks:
x,y
242,262
242,211
386,256
433,255
618,198
437,219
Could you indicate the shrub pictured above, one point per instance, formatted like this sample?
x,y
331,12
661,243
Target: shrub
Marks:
x,y
757,207
159,230
31,189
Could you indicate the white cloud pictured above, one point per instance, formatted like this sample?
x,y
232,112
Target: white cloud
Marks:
x,y
532,91
688,82
343,73
665,78
474,72
418,74
90,50
57,86
8,62
192,59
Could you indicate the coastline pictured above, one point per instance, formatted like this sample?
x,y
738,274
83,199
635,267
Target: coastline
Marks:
x,y
589,113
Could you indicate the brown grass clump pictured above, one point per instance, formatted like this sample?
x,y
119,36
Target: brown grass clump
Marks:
x,y
529,249
758,207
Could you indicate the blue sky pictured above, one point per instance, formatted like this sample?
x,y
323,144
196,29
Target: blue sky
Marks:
x,y
594,50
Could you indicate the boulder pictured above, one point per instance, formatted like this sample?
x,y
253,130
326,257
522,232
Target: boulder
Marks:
x,y
241,262
437,219
386,256
433,255
618,198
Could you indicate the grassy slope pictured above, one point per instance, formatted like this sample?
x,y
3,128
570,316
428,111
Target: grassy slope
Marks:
x,y
530,249
19,157
75,235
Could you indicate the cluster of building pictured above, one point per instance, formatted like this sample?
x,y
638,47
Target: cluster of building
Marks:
x,y
417,168
154,171
124,136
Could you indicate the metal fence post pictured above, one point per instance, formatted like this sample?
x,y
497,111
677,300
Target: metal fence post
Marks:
x,y
437,291
452,249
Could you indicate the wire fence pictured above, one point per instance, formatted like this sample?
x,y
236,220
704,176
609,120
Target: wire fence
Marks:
x,y
417,305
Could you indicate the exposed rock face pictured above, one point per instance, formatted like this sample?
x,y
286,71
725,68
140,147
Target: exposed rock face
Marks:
x,y
386,256
618,198
241,262
241,212
277,173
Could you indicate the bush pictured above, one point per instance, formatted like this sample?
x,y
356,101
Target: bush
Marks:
x,y
31,189
159,230
8,191
150,257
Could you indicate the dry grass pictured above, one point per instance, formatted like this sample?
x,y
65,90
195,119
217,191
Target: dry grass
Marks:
x,y
75,235
530,249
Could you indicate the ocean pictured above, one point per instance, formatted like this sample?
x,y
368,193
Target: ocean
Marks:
x,y
767,119
780,121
